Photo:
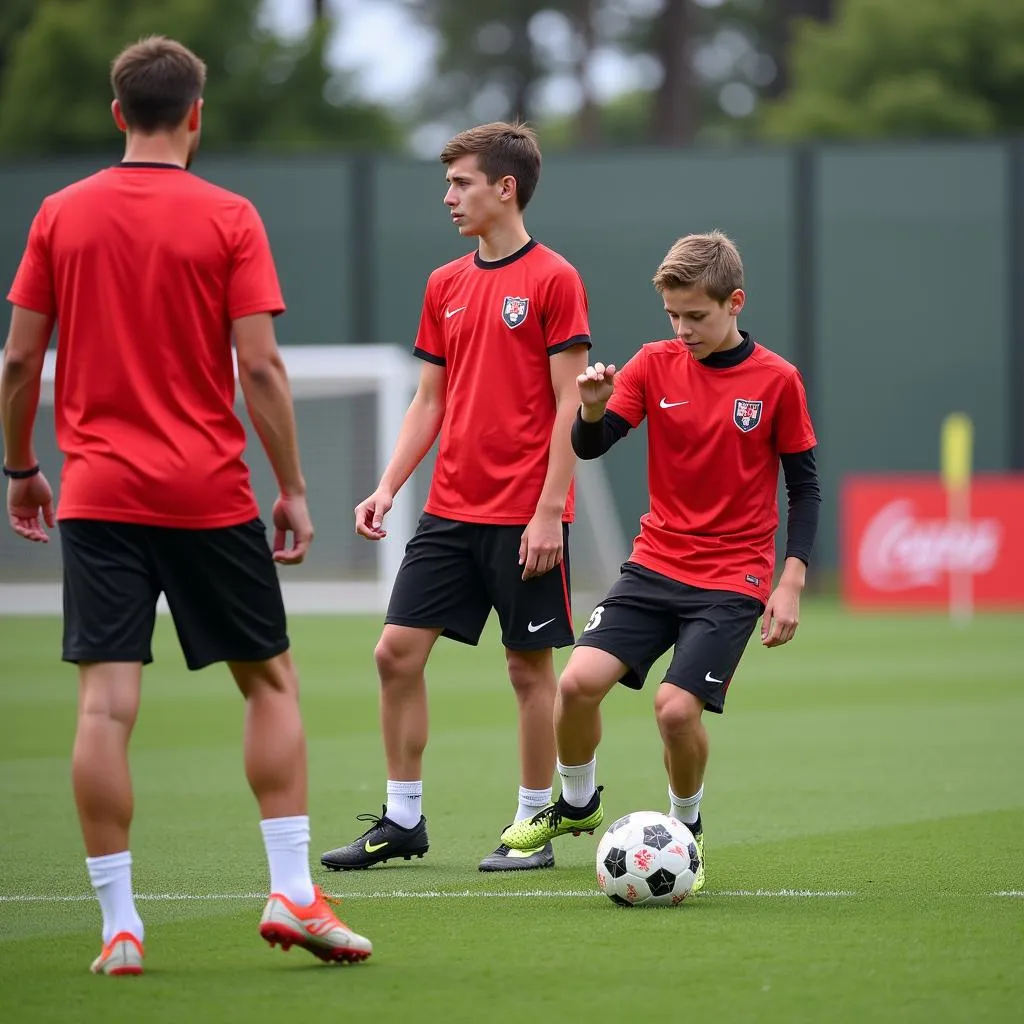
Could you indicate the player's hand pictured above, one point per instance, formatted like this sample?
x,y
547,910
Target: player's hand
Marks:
x,y
540,549
370,515
596,384
29,505
291,515
781,616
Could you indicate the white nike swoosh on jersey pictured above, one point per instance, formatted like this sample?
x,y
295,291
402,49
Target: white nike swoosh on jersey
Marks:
x,y
449,313
671,405
533,629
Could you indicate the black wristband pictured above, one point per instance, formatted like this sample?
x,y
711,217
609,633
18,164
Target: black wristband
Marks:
x,y
21,474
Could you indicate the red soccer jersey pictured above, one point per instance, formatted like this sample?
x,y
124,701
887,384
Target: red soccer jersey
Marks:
x,y
144,267
494,327
714,437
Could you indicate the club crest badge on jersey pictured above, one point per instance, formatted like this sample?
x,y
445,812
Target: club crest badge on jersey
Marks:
x,y
746,414
514,310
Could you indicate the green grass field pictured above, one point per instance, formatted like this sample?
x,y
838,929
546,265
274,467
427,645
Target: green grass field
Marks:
x,y
864,819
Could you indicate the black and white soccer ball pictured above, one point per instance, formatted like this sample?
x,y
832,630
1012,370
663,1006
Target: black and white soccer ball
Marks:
x,y
647,859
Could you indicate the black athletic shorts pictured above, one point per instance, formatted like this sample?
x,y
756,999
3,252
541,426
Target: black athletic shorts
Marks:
x,y
454,573
220,584
645,613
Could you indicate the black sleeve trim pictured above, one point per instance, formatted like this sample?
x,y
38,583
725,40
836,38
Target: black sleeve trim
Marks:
x,y
804,492
422,353
590,440
576,339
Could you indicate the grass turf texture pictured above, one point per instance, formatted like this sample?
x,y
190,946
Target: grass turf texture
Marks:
x,y
878,760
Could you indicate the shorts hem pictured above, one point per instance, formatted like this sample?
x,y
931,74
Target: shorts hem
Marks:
x,y
76,657
263,654
717,708
400,620
543,646
632,680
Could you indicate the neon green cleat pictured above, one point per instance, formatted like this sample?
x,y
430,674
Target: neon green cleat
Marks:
x,y
698,834
557,819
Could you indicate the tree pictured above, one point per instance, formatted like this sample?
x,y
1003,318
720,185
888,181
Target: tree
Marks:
x,y
262,92
787,15
906,68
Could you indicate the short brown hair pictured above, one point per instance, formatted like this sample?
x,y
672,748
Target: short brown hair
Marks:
x,y
710,261
501,148
156,80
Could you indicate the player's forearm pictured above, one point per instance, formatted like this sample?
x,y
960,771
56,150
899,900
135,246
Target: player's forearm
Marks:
x,y
268,398
561,461
420,428
794,573
19,401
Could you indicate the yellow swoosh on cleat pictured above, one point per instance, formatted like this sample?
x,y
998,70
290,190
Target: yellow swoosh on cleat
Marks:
x,y
371,848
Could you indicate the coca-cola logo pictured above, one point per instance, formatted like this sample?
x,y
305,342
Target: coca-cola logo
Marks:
x,y
899,550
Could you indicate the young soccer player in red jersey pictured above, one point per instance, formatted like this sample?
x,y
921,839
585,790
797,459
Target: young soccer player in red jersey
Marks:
x,y
503,336
721,411
147,272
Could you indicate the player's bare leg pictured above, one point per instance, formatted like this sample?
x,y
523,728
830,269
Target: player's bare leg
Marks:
x,y
586,680
275,741
401,831
297,913
401,655
686,740
532,674
584,683
679,714
108,705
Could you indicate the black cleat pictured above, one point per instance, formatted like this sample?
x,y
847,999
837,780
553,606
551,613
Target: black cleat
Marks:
x,y
505,858
383,840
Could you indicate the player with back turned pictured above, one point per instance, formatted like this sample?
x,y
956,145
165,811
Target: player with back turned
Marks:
x,y
147,272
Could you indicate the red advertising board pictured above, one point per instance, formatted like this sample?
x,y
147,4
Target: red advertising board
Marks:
x,y
902,543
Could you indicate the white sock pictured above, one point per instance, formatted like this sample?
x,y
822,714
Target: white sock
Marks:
x,y
404,803
287,844
111,877
686,809
578,785
531,801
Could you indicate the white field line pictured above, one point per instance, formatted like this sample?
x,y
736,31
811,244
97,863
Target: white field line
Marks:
x,y
400,894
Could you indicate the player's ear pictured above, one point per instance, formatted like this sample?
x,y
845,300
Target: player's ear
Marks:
x,y
195,115
115,109
507,189
736,302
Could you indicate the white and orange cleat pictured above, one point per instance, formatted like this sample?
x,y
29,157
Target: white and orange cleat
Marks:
x,y
315,928
121,955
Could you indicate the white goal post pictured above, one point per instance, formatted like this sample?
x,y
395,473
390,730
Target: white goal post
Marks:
x,y
350,401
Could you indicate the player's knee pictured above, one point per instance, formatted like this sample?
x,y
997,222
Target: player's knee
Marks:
x,y
274,676
577,687
530,671
396,659
677,711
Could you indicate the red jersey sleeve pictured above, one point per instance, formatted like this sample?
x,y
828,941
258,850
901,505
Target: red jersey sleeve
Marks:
x,y
794,431
565,311
33,283
429,336
629,400
253,286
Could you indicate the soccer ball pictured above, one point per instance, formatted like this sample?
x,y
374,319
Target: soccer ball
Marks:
x,y
647,859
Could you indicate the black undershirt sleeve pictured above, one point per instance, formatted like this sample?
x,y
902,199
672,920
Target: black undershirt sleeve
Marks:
x,y
804,493
591,440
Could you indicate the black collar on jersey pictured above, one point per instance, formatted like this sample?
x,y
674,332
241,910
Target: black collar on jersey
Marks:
x,y
150,163
731,356
506,260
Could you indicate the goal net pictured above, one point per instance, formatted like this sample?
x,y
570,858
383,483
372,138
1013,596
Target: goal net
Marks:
x,y
349,404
